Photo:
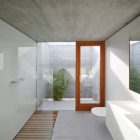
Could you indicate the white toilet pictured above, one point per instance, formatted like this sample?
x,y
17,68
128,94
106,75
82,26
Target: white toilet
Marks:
x,y
99,111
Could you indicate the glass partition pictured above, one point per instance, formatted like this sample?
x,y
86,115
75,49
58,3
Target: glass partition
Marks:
x,y
134,82
56,75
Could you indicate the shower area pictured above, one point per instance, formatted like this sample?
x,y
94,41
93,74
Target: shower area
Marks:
x,y
56,75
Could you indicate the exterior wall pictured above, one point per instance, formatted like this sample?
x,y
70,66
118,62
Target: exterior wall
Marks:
x,y
117,63
17,62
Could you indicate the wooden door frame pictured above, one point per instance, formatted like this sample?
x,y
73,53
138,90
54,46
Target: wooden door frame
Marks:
x,y
102,74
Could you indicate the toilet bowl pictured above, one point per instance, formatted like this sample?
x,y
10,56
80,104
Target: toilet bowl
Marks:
x,y
99,111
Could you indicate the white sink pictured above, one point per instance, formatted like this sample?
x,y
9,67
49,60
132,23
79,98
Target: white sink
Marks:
x,y
135,119
123,119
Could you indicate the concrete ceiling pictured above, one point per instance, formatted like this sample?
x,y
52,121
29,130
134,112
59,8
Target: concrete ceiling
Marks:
x,y
68,20
135,34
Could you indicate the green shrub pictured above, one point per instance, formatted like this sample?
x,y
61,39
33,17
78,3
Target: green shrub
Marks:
x,y
60,83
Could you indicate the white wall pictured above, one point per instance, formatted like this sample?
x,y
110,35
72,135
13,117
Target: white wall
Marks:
x,y
17,60
117,63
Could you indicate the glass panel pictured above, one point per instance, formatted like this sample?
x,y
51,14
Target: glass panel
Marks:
x,y
135,66
56,75
90,74
44,73
63,64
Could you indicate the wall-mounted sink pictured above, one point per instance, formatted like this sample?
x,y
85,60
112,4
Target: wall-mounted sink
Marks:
x,y
135,119
123,119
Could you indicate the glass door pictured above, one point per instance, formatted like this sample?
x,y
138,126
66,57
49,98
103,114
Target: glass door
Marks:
x,y
90,56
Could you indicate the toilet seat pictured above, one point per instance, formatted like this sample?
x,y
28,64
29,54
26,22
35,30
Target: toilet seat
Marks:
x,y
99,111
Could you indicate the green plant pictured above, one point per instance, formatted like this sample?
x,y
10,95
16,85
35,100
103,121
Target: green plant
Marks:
x,y
60,83
134,80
